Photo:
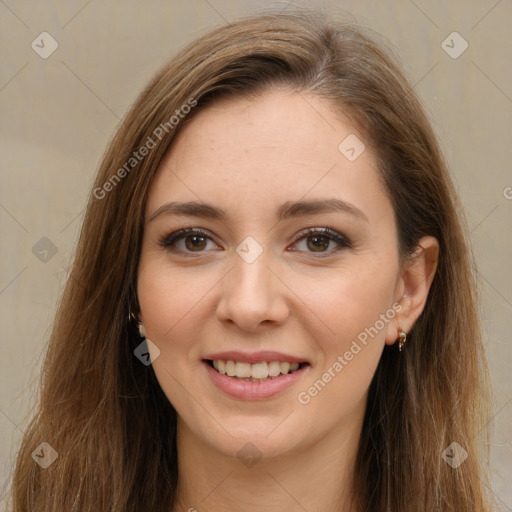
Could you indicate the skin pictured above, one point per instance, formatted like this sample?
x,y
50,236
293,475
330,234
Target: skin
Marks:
x,y
249,157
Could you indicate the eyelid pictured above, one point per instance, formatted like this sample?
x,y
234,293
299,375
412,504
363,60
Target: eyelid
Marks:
x,y
343,242
167,240
327,231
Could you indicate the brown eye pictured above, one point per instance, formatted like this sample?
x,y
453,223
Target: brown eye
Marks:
x,y
195,242
318,243
322,241
187,241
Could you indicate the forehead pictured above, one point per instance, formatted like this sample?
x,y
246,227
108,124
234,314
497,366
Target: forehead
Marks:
x,y
254,153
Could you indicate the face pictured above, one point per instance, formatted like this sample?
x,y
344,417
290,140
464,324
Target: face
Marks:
x,y
244,274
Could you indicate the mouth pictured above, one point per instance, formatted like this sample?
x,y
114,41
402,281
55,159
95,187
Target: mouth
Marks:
x,y
262,371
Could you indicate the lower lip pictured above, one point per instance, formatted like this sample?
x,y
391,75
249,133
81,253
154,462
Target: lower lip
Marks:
x,y
254,390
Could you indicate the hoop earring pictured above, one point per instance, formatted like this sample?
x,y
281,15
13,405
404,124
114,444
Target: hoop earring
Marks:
x,y
402,338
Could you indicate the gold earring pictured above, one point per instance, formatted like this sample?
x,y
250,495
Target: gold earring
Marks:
x,y
402,337
140,326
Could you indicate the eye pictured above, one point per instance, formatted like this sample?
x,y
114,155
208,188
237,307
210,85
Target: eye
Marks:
x,y
187,240
314,240
321,240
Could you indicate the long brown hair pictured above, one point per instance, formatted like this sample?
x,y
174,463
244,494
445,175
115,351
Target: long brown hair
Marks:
x,y
105,413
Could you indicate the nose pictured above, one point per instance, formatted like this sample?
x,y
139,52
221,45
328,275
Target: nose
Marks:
x,y
253,295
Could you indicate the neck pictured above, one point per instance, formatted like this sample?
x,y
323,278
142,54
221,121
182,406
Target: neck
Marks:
x,y
317,478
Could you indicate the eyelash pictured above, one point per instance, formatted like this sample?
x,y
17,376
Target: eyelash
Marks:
x,y
344,243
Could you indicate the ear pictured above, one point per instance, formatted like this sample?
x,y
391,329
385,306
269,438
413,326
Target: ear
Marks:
x,y
413,287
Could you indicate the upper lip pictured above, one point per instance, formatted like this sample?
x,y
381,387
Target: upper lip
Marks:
x,y
254,357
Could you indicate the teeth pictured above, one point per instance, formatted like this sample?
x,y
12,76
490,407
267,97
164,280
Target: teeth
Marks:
x,y
261,371
274,368
230,368
243,370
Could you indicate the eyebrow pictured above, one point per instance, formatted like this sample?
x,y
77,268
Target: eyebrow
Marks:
x,y
287,210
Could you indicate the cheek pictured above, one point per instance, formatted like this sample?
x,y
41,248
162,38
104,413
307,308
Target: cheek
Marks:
x,y
352,308
348,301
170,301
169,297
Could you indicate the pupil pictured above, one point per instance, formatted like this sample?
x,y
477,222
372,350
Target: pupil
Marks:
x,y
319,242
195,242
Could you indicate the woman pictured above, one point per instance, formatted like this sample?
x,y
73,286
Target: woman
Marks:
x,y
271,305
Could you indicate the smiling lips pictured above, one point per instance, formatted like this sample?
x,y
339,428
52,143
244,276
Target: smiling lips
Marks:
x,y
260,371
256,365
254,376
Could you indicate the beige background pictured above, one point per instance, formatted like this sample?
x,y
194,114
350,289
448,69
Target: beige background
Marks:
x,y
58,113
